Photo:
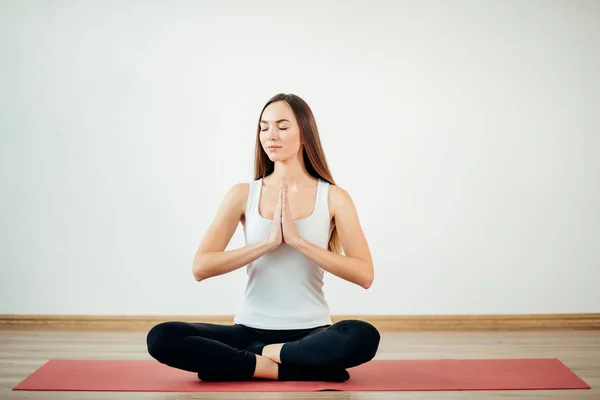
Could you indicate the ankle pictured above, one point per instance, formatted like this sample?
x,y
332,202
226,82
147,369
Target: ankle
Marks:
x,y
273,352
266,368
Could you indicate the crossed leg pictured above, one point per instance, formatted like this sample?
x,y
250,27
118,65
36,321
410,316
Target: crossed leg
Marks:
x,y
215,352
225,352
345,344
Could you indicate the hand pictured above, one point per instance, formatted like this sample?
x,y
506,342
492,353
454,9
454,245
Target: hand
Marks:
x,y
276,236
290,236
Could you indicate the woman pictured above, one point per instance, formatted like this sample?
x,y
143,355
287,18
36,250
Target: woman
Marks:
x,y
295,222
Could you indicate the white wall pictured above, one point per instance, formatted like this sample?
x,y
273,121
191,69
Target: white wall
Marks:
x,y
466,132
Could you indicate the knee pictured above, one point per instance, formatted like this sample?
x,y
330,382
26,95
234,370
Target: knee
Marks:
x,y
158,339
363,341
368,338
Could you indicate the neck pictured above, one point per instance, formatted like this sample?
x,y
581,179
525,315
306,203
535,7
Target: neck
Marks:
x,y
293,172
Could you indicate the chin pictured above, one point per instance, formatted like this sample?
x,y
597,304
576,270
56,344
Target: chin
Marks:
x,y
276,158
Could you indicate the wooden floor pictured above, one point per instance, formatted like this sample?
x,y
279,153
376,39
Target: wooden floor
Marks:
x,y
22,352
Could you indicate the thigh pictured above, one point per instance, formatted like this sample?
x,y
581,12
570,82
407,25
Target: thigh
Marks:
x,y
236,336
344,344
353,328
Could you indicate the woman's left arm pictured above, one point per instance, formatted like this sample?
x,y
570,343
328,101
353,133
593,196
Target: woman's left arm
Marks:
x,y
356,265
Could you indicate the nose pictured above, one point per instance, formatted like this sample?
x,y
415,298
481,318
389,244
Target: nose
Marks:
x,y
272,134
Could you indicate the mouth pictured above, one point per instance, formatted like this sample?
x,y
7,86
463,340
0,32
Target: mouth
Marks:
x,y
273,147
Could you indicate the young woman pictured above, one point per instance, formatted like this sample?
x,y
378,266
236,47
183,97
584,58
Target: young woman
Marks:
x,y
296,221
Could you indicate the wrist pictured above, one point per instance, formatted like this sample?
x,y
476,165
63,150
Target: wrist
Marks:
x,y
268,246
296,242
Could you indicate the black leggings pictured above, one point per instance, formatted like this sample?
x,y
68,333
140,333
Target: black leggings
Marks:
x,y
219,352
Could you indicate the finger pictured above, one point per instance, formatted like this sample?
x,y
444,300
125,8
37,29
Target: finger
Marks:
x,y
277,216
284,203
279,198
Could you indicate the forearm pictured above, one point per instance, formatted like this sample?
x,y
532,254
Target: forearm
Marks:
x,y
351,269
209,264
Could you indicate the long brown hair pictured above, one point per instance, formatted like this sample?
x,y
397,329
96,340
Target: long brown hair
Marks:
x,y
312,152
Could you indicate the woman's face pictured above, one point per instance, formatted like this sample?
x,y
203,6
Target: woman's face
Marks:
x,y
279,131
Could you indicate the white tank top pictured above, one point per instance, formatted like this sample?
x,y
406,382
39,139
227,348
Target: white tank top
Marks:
x,y
285,288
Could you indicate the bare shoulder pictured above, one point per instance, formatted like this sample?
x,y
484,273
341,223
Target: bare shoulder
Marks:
x,y
339,198
237,195
230,212
240,189
233,203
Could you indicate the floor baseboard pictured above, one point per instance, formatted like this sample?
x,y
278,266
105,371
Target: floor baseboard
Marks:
x,y
382,322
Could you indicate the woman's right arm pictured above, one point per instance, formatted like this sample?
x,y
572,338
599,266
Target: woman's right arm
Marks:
x,y
210,258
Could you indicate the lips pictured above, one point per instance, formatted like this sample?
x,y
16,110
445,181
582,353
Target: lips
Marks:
x,y
273,147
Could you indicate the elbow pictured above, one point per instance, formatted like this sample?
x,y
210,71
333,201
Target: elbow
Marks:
x,y
367,280
366,284
198,275
199,269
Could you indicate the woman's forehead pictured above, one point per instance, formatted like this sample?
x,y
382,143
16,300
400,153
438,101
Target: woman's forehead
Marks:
x,y
276,112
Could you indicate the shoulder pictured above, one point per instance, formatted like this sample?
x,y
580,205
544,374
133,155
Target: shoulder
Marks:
x,y
339,199
237,195
240,189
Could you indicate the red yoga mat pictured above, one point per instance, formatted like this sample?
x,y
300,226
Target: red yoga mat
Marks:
x,y
376,375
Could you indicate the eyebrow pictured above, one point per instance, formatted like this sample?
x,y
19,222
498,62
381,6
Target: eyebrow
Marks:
x,y
279,120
